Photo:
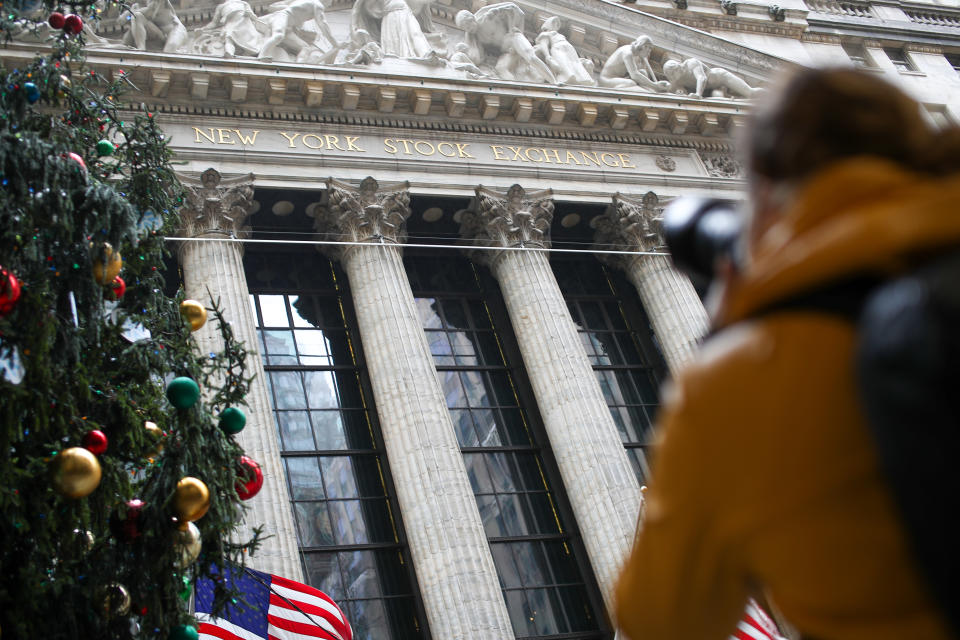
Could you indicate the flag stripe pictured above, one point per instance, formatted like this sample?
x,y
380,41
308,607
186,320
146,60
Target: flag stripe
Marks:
x,y
322,607
300,597
274,608
212,631
303,628
751,633
235,632
284,618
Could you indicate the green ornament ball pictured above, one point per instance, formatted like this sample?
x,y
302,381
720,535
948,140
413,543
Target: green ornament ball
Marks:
x,y
105,148
184,632
232,420
183,392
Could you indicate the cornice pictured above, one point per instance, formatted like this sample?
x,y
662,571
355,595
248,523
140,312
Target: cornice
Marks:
x,y
174,84
830,24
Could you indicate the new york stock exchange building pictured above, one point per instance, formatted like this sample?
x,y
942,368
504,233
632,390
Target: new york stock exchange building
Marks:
x,y
435,224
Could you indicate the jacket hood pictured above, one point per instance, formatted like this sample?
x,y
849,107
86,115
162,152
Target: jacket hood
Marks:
x,y
864,216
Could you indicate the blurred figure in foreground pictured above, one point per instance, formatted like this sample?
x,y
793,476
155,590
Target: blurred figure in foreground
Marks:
x,y
767,478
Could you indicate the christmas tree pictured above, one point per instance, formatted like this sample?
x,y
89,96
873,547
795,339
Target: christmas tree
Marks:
x,y
119,484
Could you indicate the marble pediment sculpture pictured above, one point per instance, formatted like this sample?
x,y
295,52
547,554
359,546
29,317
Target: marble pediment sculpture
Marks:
x,y
562,58
489,42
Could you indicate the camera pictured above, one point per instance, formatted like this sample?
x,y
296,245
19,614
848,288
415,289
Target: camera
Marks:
x,y
699,232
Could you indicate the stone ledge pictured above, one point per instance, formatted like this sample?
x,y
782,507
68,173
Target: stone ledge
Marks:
x,y
174,84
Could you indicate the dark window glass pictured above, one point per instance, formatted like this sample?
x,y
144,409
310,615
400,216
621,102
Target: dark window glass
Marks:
x,y
619,344
543,584
954,60
858,55
350,538
899,59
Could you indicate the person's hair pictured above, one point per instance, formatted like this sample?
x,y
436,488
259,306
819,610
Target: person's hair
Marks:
x,y
821,116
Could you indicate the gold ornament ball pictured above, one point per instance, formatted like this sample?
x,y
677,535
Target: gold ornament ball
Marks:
x,y
188,542
194,313
76,472
116,600
191,500
104,271
86,537
156,434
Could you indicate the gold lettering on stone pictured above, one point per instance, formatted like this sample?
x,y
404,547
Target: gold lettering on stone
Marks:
x,y
198,133
250,140
591,157
333,142
416,146
424,148
318,145
498,152
556,156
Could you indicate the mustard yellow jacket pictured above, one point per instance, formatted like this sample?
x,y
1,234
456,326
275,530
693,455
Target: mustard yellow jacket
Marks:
x,y
765,474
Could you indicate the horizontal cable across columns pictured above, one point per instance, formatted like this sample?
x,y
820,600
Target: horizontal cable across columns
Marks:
x,y
676,313
600,483
216,208
455,570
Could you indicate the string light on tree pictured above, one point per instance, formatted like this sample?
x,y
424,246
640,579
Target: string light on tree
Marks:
x,y
89,518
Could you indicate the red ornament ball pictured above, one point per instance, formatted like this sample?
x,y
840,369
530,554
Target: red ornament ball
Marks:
x,y
73,24
95,442
249,479
9,291
126,523
117,288
56,20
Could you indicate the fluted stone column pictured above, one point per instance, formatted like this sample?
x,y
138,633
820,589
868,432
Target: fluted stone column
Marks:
x,y
455,570
678,318
599,480
217,208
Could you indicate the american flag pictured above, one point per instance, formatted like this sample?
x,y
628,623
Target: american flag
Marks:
x,y
756,625
276,609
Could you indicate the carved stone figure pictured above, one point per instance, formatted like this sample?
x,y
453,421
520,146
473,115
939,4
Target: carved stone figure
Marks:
x,y
497,30
629,68
461,61
694,77
554,49
362,49
235,27
284,20
394,24
154,25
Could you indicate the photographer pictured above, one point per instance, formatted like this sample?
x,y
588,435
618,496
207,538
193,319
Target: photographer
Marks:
x,y
768,476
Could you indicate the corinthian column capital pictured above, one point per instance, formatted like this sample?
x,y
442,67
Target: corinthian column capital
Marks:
x,y
511,218
216,206
371,212
632,224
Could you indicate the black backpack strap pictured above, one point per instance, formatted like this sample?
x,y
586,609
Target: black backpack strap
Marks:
x,y
907,363
908,368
